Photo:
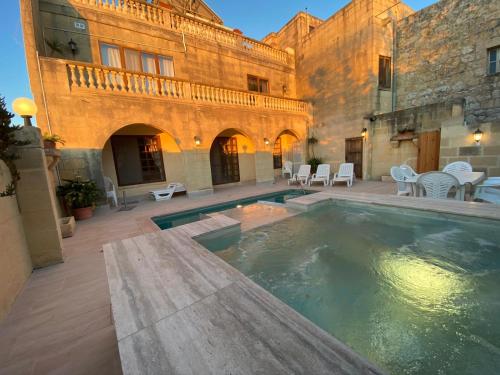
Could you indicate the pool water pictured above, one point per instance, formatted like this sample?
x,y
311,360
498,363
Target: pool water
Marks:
x,y
190,216
414,292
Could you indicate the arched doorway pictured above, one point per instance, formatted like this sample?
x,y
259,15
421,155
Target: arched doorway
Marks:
x,y
138,156
287,147
232,158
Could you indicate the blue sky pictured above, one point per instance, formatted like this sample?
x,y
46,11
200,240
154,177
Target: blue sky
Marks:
x,y
256,18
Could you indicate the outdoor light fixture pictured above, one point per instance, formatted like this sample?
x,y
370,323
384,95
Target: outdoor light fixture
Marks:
x,y
266,141
197,140
73,46
26,108
364,132
478,135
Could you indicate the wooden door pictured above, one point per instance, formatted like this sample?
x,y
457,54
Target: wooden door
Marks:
x,y
354,154
224,161
428,151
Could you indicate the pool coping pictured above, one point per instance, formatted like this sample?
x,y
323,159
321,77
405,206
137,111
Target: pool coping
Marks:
x,y
163,283
452,207
194,210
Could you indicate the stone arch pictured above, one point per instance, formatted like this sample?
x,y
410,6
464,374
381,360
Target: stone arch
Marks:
x,y
139,156
232,157
287,146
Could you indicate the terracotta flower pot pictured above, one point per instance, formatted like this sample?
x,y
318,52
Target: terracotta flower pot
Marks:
x,y
49,144
82,213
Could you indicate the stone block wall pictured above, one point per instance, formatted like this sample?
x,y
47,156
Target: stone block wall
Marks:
x,y
15,262
442,54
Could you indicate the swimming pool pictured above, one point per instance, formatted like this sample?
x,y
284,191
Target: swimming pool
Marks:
x,y
190,216
414,292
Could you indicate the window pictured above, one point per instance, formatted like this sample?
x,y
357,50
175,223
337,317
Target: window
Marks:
x,y
494,60
277,163
258,84
136,61
138,159
384,72
110,56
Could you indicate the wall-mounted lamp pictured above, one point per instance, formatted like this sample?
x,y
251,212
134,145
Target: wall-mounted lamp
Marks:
x,y
197,140
478,135
26,108
364,132
266,141
73,47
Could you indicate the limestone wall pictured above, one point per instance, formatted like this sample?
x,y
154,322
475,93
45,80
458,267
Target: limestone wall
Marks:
x,y
195,59
87,119
442,54
457,142
337,68
15,262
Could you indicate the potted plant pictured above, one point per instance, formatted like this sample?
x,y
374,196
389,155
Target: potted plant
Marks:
x,y
80,196
50,140
314,162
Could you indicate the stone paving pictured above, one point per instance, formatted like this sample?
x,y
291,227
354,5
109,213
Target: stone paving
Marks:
x,y
61,323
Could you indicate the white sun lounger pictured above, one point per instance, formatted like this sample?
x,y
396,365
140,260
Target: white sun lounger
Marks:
x,y
302,176
322,175
345,174
166,194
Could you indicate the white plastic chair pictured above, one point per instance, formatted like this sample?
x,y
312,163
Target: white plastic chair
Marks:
x,y
302,175
489,190
458,166
109,187
345,174
166,194
408,171
404,188
287,169
322,175
437,185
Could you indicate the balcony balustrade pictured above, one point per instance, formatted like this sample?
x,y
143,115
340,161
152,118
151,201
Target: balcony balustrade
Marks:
x,y
162,17
119,81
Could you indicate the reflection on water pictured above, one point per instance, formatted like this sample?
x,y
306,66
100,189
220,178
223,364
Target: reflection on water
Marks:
x,y
426,286
414,293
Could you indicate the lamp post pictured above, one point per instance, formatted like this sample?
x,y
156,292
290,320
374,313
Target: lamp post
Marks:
x,y
26,108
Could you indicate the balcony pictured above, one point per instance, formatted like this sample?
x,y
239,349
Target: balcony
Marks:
x,y
164,18
99,78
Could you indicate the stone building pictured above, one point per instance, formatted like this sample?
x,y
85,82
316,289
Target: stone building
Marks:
x,y
420,83
155,92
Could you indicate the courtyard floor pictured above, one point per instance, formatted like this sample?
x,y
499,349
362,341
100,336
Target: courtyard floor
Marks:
x,y
61,322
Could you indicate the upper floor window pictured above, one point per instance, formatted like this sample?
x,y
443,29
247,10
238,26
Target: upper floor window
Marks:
x,y
135,60
384,72
258,84
494,60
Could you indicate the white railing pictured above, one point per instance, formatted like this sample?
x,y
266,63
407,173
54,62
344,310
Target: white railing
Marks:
x,y
101,78
163,17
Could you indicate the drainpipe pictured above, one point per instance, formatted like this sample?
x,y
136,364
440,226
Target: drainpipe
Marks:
x,y
394,51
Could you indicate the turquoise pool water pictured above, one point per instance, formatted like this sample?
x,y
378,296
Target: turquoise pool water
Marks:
x,y
415,293
190,216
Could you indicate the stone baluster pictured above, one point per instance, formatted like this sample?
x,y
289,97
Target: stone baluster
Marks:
x,y
164,91
81,76
130,82
92,79
72,73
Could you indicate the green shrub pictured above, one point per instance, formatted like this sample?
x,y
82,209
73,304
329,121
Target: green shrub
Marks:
x,y
79,194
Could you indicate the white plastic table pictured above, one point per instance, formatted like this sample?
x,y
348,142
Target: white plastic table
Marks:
x,y
463,178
